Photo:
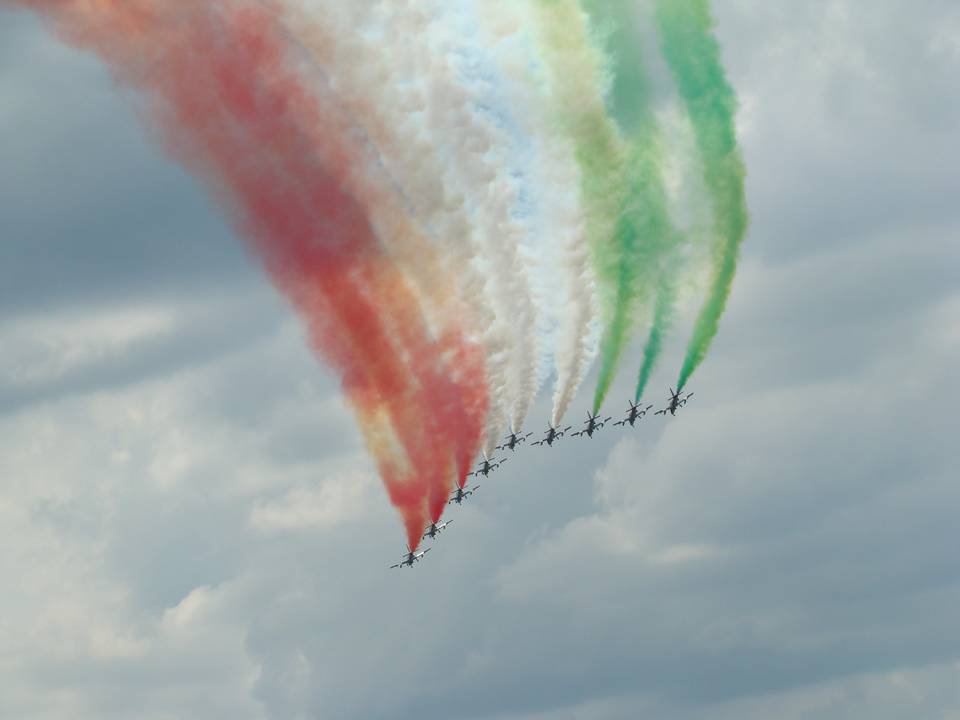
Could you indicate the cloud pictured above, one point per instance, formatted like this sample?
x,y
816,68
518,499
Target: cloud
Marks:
x,y
843,139
91,348
83,221
323,506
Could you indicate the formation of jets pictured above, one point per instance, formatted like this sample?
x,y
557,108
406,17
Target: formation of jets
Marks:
x,y
593,424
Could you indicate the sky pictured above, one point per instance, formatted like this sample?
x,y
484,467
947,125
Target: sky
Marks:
x,y
190,527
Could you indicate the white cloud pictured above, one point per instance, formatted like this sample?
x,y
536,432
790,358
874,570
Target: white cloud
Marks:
x,y
42,349
326,505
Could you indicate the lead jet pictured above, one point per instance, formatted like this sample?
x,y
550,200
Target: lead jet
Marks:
x,y
487,467
594,423
512,440
552,435
635,414
435,529
461,494
410,558
676,402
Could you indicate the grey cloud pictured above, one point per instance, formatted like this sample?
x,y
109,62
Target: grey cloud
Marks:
x,y
851,114
90,208
201,332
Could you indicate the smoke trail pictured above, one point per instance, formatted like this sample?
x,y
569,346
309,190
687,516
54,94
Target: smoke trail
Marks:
x,y
694,58
628,238
662,317
218,82
633,234
657,254
350,45
478,55
562,256
574,70
477,150
365,49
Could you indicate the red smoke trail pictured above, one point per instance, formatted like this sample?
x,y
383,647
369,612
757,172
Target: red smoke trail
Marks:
x,y
232,109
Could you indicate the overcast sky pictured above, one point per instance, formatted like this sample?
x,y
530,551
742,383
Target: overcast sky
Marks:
x,y
190,528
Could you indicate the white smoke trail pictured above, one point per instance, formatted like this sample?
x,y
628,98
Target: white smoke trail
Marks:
x,y
562,226
477,151
402,69
479,55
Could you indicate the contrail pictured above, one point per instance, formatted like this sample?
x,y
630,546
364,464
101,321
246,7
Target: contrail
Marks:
x,y
218,82
686,32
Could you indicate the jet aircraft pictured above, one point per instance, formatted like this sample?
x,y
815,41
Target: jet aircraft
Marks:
x,y
594,423
411,558
435,529
461,494
512,440
552,435
634,414
676,402
487,467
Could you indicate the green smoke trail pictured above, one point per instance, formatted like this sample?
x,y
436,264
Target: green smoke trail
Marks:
x,y
575,69
650,241
650,244
663,314
618,145
693,55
